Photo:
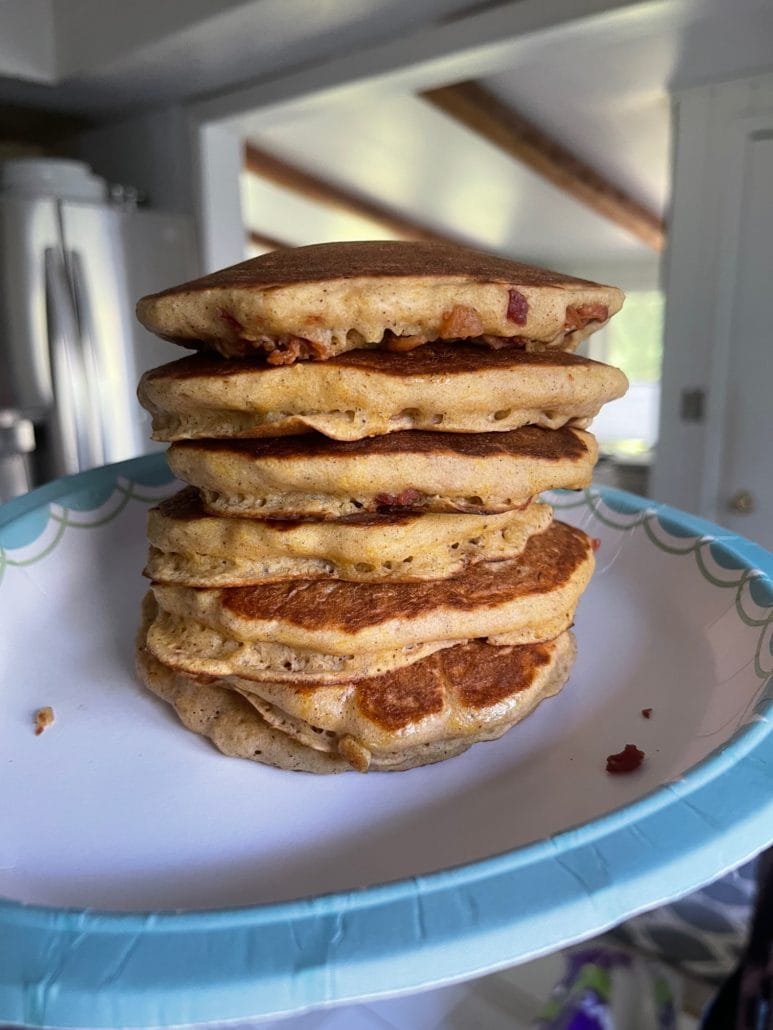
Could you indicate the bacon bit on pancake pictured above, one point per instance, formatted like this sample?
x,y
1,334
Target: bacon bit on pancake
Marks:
x,y
625,761
44,718
233,323
578,315
406,499
498,342
517,307
280,350
646,712
595,543
461,322
286,350
400,344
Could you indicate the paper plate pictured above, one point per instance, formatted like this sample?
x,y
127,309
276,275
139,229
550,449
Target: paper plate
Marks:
x,y
149,881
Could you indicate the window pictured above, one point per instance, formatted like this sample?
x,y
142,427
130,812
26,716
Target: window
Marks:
x,y
633,341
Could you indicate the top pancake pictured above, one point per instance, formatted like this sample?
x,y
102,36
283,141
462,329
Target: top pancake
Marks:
x,y
315,302
451,387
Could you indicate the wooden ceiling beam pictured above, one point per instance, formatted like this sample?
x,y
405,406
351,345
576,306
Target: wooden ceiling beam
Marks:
x,y
319,191
478,109
259,239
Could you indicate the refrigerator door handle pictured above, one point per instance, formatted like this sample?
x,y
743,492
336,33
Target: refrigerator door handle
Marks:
x,y
92,417
68,442
27,227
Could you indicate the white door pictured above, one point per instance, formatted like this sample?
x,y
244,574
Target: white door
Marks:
x,y
743,490
715,447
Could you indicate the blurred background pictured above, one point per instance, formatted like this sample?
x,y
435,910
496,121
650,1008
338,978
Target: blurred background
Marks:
x,y
623,141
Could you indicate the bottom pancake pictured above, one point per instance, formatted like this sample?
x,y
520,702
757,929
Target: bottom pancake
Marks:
x,y
230,722
423,713
429,712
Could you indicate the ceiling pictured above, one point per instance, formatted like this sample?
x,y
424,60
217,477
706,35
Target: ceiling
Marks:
x,y
99,57
597,84
601,88
423,164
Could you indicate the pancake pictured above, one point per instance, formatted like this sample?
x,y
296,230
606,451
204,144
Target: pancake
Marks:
x,y
191,646
318,301
313,477
449,387
431,711
528,599
438,709
192,548
231,723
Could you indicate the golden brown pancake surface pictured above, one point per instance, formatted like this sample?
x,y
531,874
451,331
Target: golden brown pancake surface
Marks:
x,y
440,387
192,548
314,302
549,558
527,442
478,673
314,477
420,716
533,597
326,262
440,358
467,693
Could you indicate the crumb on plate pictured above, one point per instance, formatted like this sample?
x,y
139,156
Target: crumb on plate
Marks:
x,y
625,761
44,717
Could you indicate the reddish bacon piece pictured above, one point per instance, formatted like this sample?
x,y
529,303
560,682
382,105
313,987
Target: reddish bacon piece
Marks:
x,y
595,543
233,323
288,349
406,499
578,315
280,350
625,761
646,712
517,307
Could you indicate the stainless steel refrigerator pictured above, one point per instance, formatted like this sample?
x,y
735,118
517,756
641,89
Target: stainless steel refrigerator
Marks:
x,y
72,265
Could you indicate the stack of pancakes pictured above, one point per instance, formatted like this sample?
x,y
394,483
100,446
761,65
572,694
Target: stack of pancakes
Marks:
x,y
360,573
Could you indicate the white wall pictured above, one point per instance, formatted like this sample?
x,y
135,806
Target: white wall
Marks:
x,y
152,152
27,43
93,33
218,154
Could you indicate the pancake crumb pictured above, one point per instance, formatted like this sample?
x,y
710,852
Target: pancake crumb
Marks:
x,y
354,753
625,761
44,717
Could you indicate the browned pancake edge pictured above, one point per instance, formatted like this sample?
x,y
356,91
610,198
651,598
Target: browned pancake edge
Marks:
x,y
548,561
323,262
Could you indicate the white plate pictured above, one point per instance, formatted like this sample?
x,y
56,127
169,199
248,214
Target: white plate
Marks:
x,y
299,891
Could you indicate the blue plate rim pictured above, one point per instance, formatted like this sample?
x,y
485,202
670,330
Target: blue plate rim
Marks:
x,y
295,982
